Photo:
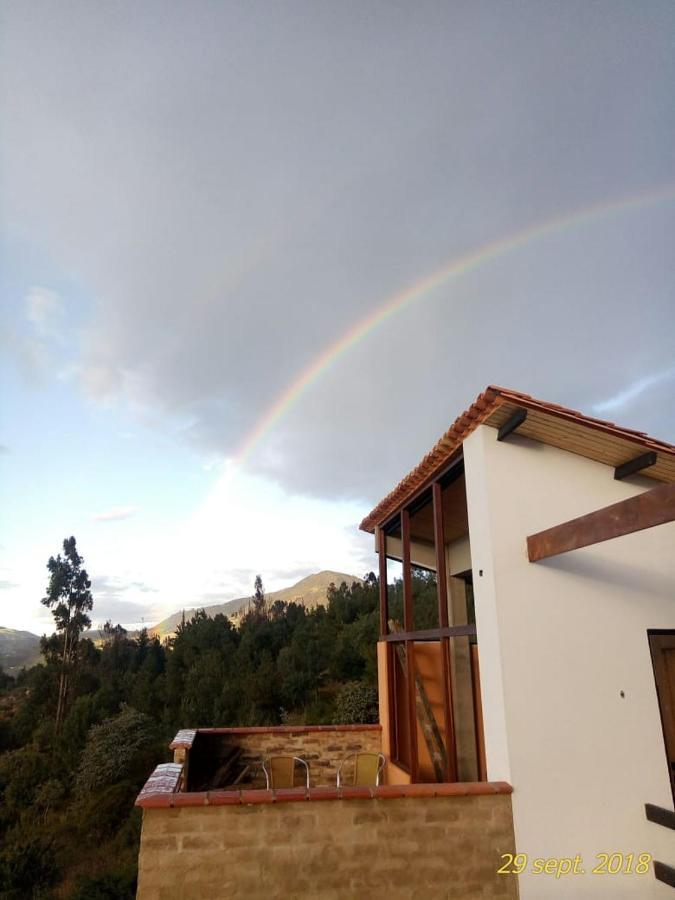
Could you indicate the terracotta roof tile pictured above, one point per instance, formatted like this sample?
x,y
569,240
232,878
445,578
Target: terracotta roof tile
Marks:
x,y
300,794
184,738
161,785
480,410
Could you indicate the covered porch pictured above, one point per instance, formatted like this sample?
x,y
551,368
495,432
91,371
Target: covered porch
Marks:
x,y
428,658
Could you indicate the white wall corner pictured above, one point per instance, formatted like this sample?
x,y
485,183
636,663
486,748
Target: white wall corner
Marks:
x,y
487,618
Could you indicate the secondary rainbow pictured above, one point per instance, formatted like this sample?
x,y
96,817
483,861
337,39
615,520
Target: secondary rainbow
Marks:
x,y
422,288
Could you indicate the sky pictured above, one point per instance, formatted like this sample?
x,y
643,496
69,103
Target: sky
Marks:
x,y
255,258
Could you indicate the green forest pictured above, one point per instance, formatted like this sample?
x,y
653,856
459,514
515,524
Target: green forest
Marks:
x,y
81,731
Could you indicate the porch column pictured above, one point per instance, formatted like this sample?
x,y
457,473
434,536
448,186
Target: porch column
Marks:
x,y
408,626
446,663
384,600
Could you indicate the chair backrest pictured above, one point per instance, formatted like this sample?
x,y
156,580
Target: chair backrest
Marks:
x,y
367,769
280,771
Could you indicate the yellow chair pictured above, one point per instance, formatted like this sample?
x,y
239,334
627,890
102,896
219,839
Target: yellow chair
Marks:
x,y
280,771
367,769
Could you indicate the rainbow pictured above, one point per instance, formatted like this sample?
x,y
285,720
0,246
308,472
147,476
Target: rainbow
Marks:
x,y
454,269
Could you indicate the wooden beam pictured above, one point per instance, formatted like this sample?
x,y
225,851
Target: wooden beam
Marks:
x,y
384,600
513,422
391,691
412,710
446,657
655,507
661,816
664,873
635,465
409,645
439,544
479,732
431,634
407,572
445,474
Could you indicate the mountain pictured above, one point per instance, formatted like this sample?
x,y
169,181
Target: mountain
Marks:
x,y
21,648
310,591
17,649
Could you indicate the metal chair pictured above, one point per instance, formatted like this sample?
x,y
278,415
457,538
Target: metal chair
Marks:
x,y
280,771
367,769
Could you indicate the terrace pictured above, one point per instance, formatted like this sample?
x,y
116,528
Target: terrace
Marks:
x,y
434,826
211,828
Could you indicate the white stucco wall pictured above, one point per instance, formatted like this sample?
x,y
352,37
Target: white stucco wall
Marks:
x,y
558,641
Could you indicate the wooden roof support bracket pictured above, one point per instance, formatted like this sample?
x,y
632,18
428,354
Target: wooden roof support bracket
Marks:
x,y
635,465
655,507
513,422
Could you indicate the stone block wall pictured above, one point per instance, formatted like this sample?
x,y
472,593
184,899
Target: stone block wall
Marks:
x,y
323,747
359,843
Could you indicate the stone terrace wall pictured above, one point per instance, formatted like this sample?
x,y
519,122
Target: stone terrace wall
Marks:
x,y
323,747
385,847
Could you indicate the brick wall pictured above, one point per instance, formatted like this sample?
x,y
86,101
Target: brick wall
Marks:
x,y
383,847
322,747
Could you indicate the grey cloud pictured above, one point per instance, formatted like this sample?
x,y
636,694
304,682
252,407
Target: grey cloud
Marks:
x,y
123,611
237,190
111,585
111,601
142,587
44,308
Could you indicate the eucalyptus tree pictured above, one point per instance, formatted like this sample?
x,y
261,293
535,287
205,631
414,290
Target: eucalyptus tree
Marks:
x,y
69,598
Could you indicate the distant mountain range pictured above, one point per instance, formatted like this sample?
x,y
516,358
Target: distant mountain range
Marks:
x,y
22,648
310,591
17,649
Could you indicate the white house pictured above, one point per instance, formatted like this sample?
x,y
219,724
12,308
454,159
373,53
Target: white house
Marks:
x,y
551,663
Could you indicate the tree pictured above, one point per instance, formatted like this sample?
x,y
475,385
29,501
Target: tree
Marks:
x,y
69,598
115,749
259,605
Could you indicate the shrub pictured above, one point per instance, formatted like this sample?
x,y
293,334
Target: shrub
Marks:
x,y
27,865
356,704
109,886
113,749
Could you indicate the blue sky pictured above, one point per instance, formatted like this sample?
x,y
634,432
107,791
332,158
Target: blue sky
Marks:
x,y
198,201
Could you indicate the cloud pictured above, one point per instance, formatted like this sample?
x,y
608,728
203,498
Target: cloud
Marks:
x,y
250,222
123,611
4,450
111,600
44,308
634,390
117,514
7,585
114,586
142,587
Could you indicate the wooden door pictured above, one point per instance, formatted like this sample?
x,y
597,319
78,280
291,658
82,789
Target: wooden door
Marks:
x,y
662,646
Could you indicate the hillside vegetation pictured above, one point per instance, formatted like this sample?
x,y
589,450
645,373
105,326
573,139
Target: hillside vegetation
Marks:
x,y
68,824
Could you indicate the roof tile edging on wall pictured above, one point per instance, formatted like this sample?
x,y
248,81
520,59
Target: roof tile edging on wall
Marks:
x,y
157,796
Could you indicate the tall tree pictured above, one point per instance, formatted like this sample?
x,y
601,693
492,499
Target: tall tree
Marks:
x,y
259,602
69,598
